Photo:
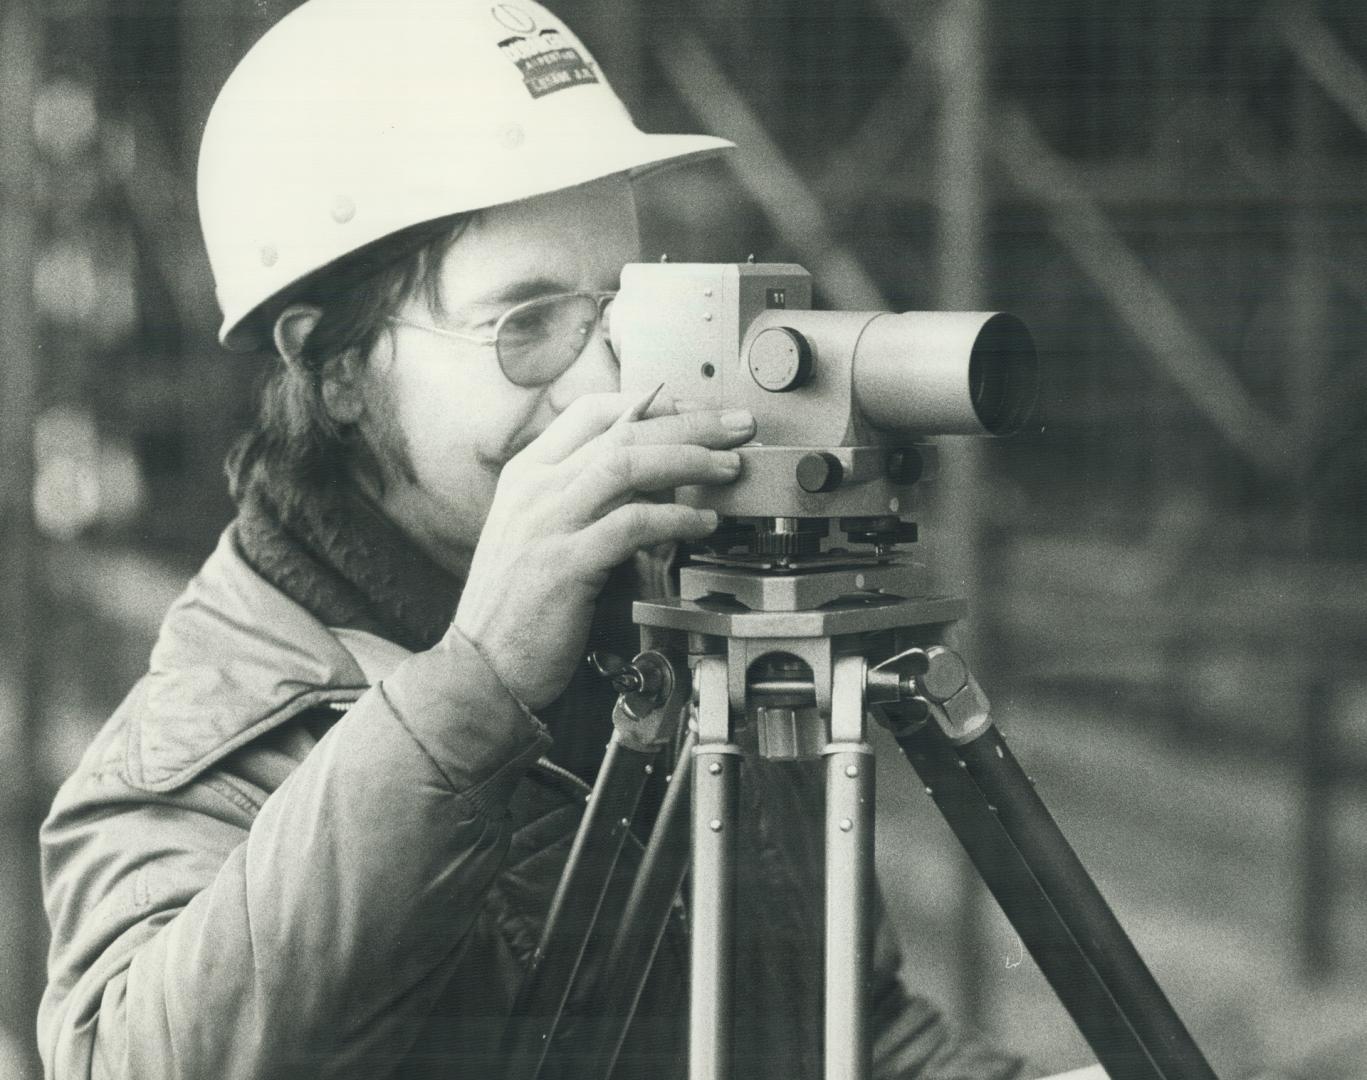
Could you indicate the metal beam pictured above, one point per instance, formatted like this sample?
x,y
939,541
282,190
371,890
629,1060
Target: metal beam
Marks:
x,y
1199,371
209,47
956,39
1324,60
857,169
767,175
160,199
1204,376
960,188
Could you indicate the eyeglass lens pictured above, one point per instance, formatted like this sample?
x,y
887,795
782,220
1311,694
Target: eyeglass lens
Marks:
x,y
539,340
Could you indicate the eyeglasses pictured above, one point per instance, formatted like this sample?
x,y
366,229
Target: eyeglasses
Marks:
x,y
537,341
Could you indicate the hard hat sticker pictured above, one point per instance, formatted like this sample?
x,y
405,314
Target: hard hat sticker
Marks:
x,y
547,62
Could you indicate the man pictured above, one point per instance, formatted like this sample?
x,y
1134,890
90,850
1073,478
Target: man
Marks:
x,y
319,837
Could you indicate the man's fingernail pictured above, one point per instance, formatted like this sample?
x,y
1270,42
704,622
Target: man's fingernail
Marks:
x,y
738,420
726,459
709,518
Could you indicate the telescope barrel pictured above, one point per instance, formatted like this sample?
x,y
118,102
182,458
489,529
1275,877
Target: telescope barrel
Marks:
x,y
946,373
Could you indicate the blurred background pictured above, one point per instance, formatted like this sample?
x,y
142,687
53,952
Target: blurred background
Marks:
x,y
1167,573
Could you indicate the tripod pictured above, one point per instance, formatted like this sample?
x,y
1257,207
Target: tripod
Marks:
x,y
806,647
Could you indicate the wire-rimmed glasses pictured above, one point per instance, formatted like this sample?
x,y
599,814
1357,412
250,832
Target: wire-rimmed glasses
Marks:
x,y
536,341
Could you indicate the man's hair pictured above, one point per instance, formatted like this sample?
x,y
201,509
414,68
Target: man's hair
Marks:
x,y
294,437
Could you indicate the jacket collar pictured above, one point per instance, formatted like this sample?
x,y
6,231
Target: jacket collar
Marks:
x,y
235,658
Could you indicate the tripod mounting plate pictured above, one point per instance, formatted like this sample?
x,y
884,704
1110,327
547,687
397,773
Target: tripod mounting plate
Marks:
x,y
803,591
723,617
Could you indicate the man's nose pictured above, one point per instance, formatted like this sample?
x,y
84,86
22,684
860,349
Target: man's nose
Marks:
x,y
594,371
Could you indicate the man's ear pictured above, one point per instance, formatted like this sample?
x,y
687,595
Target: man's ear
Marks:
x,y
339,378
292,328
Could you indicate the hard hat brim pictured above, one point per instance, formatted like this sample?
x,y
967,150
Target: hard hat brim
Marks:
x,y
644,155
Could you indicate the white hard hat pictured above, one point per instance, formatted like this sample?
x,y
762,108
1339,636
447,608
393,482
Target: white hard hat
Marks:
x,y
353,119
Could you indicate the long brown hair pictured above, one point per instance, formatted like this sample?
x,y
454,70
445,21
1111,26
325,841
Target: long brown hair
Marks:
x,y
294,437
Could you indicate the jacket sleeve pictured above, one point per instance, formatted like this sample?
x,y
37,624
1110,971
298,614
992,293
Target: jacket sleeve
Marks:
x,y
199,934
912,1040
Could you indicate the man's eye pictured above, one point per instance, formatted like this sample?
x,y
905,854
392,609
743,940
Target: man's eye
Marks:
x,y
528,325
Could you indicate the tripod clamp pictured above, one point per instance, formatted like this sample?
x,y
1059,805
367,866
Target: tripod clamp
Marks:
x,y
652,692
926,682
937,681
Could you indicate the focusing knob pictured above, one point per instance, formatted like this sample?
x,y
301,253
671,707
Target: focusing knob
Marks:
x,y
780,359
819,472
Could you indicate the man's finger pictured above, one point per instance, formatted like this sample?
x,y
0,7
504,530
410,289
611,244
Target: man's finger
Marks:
x,y
614,538
708,428
625,472
586,418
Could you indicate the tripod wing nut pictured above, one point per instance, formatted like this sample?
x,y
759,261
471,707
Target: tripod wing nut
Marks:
x,y
647,716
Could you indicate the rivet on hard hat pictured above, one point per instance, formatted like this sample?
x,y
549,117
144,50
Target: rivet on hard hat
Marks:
x,y
513,136
343,209
269,255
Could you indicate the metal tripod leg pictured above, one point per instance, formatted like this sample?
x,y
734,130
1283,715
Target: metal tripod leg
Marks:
x,y
849,876
1105,944
574,909
1019,894
645,916
645,720
1055,907
716,791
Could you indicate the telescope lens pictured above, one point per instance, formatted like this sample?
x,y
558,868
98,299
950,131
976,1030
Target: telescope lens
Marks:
x,y
1003,376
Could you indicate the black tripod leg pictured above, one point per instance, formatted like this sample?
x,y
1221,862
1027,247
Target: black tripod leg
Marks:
x,y
645,917
1089,918
1027,906
574,909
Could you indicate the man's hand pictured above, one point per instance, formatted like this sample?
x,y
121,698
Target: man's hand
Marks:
x,y
568,509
